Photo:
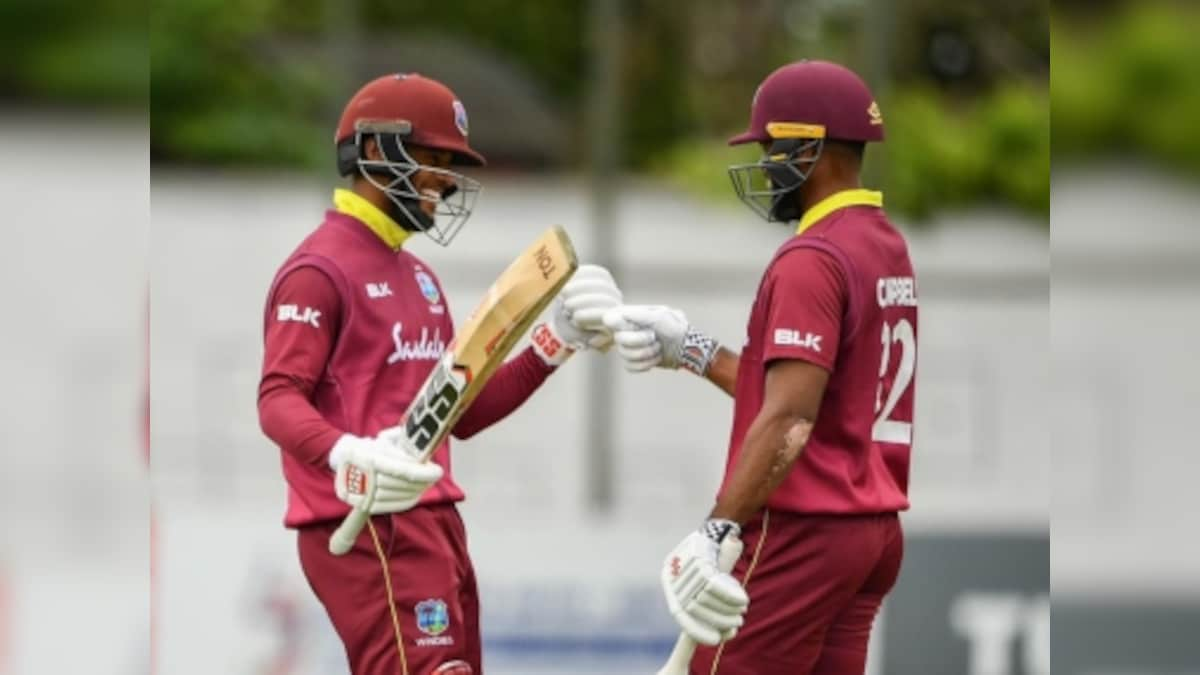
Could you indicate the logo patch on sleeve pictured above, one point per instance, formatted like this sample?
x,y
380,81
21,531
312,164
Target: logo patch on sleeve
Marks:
x,y
309,315
792,338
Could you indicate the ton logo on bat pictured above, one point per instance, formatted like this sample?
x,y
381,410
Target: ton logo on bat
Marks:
x,y
544,262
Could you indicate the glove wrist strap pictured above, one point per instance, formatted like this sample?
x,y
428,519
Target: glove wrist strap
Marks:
x,y
717,529
549,346
699,350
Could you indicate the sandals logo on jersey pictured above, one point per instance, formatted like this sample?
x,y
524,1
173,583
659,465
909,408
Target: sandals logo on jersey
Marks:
x,y
433,619
425,349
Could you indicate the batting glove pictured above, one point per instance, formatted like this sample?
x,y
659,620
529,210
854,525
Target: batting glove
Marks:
x,y
381,475
707,603
577,319
654,335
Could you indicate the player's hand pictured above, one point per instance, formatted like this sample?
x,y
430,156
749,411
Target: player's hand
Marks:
x,y
382,474
708,604
577,318
655,335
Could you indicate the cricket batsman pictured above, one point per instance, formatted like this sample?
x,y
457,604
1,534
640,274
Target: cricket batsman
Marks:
x,y
822,391
354,323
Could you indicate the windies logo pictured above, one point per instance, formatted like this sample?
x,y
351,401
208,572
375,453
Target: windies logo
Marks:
x,y
460,117
428,288
432,616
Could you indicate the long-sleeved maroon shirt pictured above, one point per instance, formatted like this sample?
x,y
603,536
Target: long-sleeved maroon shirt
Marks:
x,y
351,330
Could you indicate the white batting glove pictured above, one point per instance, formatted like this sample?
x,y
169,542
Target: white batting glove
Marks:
x,y
708,604
577,319
382,474
655,335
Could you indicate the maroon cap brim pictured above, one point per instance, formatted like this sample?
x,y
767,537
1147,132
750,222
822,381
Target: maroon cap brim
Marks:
x,y
745,137
465,155
462,153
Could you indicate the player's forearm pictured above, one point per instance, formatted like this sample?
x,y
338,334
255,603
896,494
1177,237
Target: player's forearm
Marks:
x,y
512,385
723,370
289,419
771,447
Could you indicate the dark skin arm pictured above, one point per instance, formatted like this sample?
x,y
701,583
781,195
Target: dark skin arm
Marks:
x,y
723,370
775,439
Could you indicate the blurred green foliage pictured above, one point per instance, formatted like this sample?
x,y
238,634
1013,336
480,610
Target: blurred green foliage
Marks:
x,y
260,81
543,37
1129,85
80,54
993,148
222,94
939,153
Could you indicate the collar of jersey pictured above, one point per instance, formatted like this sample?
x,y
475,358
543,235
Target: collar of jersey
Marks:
x,y
354,205
836,202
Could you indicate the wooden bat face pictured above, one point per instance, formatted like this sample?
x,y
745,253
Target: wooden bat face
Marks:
x,y
507,310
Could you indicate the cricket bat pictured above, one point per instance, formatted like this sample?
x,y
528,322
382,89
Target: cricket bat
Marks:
x,y
509,307
685,647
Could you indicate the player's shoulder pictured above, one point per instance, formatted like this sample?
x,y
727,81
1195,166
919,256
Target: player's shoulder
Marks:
x,y
804,253
860,236
413,259
305,280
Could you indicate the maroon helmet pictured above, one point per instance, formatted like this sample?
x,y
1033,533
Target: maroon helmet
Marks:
x,y
400,111
794,111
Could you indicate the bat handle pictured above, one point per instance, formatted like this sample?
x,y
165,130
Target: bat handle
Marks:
x,y
347,533
681,657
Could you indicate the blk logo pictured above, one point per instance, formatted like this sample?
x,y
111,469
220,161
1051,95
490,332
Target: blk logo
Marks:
x,y
380,290
793,338
309,315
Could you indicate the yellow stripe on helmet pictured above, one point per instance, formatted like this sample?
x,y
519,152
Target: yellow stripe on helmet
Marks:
x,y
795,130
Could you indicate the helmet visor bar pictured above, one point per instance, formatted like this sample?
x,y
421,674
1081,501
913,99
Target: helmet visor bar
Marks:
x,y
451,207
765,185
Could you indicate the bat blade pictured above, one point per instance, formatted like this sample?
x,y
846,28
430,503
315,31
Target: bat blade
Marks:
x,y
506,311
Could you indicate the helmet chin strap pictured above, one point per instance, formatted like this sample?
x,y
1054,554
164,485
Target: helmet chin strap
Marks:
x,y
408,214
789,175
394,173
786,207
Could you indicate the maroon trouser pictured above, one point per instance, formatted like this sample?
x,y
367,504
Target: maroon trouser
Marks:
x,y
815,585
403,600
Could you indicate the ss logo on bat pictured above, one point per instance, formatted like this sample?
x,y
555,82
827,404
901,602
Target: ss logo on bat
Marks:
x,y
432,412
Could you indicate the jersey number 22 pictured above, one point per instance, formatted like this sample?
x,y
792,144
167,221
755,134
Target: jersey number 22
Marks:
x,y
885,429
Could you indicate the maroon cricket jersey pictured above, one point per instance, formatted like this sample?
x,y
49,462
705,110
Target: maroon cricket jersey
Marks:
x,y
394,325
841,295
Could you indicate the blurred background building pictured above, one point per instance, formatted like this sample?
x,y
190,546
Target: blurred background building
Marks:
x,y
608,117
